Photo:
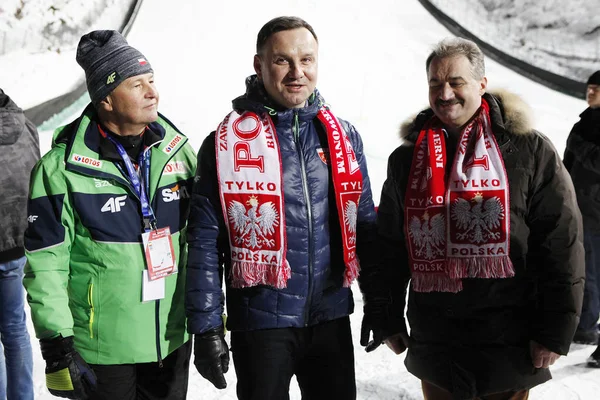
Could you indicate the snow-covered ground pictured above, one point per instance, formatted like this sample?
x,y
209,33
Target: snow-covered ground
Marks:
x,y
372,72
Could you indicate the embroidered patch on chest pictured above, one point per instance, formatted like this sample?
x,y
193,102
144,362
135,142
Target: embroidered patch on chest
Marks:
x,y
88,161
323,155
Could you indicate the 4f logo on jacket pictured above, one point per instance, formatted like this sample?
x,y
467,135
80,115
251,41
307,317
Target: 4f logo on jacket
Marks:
x,y
114,204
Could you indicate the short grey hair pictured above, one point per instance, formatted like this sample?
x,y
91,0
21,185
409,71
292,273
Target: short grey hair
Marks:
x,y
457,46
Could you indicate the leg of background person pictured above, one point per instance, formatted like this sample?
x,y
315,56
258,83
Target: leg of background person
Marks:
x,y
591,297
326,369
15,339
433,392
2,374
595,303
115,382
594,359
264,362
169,382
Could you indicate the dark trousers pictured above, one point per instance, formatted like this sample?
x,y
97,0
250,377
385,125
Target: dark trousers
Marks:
x,y
145,381
321,357
433,392
591,296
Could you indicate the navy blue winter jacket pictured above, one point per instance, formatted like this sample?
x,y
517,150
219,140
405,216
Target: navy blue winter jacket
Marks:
x,y
314,293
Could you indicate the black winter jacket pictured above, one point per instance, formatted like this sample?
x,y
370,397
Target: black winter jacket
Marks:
x,y
476,342
19,151
582,159
314,293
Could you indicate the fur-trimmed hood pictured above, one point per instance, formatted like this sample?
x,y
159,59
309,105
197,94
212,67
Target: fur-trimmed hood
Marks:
x,y
507,111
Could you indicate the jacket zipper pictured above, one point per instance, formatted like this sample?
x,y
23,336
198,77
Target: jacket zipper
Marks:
x,y
157,309
157,313
158,354
296,132
91,304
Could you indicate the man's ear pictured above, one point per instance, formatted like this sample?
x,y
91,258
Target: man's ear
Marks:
x,y
106,104
257,66
483,86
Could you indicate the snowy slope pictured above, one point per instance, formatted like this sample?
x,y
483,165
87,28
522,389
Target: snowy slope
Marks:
x,y
372,73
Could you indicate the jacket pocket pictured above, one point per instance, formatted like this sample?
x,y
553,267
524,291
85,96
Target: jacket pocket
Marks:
x,y
90,297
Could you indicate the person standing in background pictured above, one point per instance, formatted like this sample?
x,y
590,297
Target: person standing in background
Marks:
x,y
19,151
582,159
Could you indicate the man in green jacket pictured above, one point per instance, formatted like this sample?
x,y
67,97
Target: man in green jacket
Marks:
x,y
106,237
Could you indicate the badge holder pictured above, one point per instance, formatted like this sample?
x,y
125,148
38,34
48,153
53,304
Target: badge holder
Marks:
x,y
160,260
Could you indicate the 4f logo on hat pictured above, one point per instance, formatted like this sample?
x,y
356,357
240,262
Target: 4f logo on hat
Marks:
x,y
112,77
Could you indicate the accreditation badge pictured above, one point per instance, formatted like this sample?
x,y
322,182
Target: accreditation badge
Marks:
x,y
160,256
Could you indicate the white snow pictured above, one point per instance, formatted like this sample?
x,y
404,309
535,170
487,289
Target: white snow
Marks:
x,y
372,72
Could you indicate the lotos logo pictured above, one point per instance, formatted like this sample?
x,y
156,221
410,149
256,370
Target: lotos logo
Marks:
x,y
91,162
175,167
172,144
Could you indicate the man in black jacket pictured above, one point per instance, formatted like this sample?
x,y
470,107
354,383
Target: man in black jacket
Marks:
x,y
19,151
582,159
480,215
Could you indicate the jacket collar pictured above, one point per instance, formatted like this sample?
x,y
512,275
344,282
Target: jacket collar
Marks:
x,y
108,151
257,100
83,152
509,115
12,120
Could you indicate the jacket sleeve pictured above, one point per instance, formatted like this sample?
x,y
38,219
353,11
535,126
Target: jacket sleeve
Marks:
x,y
584,151
204,295
556,252
48,240
391,276
365,225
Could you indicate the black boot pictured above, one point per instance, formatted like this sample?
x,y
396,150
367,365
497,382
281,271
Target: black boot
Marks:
x,y
586,337
594,360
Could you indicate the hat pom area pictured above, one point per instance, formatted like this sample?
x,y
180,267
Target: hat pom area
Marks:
x,y
108,60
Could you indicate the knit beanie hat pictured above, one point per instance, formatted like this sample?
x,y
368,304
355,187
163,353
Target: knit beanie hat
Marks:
x,y
594,79
108,60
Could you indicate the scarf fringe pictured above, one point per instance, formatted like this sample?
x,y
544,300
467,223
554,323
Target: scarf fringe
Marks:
x,y
246,274
351,272
480,267
435,283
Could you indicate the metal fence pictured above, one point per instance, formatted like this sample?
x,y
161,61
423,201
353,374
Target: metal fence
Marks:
x,y
565,54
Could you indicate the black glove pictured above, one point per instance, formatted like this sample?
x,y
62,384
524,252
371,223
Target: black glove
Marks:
x,y
67,374
374,320
211,356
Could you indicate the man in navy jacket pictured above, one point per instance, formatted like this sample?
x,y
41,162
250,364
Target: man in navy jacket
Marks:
x,y
285,225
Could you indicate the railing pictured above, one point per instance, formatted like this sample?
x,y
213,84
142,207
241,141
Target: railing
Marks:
x,y
61,33
563,62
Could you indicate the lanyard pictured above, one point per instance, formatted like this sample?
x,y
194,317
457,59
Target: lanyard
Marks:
x,y
140,190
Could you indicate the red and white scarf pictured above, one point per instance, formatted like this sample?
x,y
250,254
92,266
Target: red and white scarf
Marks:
x,y
250,179
457,227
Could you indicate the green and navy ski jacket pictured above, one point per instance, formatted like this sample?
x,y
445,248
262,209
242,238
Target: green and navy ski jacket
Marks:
x,y
84,247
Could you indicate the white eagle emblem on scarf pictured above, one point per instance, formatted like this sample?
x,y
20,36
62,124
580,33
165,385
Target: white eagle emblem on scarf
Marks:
x,y
428,236
256,225
350,218
480,220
